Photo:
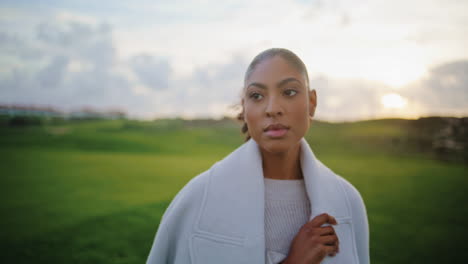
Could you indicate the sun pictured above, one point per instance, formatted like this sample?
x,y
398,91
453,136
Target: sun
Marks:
x,y
393,100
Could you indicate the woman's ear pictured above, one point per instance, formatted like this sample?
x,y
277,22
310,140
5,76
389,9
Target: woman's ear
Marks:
x,y
312,102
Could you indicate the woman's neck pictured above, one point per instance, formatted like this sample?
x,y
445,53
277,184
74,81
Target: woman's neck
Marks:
x,y
282,166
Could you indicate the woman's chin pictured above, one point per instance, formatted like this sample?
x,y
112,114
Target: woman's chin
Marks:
x,y
277,146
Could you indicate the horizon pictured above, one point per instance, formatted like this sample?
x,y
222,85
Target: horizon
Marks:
x,y
125,116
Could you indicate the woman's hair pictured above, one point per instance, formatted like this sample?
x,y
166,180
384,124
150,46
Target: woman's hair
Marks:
x,y
287,55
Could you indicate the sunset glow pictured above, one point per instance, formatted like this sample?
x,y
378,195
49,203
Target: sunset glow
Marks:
x,y
393,100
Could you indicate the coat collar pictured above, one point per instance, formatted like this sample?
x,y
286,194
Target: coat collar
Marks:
x,y
233,204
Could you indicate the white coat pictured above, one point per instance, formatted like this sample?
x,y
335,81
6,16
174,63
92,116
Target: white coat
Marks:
x,y
218,217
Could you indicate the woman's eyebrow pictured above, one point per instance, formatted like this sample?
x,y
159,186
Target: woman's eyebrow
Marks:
x,y
279,84
259,85
285,81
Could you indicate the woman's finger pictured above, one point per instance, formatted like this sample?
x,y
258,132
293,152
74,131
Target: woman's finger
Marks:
x,y
330,250
321,219
329,240
325,231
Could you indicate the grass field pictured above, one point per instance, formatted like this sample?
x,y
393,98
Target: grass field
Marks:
x,y
94,191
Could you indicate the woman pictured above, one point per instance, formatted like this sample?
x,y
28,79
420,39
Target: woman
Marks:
x,y
271,200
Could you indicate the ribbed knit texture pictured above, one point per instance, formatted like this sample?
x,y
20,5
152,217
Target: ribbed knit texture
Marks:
x,y
287,209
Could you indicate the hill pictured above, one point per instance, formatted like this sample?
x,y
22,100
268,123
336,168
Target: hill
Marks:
x,y
93,191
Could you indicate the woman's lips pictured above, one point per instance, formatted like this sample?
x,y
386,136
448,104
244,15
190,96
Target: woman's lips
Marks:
x,y
276,133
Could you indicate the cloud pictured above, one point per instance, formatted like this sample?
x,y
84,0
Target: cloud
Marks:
x,y
53,74
152,71
75,39
444,90
77,68
341,99
14,46
209,91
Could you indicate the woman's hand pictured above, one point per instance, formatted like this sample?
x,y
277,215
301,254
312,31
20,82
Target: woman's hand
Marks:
x,y
313,242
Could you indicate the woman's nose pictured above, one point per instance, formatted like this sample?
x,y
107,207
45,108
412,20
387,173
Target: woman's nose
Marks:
x,y
274,107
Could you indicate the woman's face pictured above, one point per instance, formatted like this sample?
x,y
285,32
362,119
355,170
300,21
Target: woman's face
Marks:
x,y
277,105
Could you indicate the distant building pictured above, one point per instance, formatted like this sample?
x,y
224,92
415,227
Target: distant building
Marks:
x,y
49,112
20,110
90,113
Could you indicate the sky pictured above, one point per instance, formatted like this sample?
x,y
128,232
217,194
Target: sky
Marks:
x,y
156,59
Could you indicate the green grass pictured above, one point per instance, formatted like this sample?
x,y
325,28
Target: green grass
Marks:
x,y
94,192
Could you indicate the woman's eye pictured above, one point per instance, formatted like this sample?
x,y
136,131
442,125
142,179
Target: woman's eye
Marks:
x,y
256,96
290,92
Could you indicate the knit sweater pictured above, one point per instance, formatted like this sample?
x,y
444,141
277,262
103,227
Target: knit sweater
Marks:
x,y
287,209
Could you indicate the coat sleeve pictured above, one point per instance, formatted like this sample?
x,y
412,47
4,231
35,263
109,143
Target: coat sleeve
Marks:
x,y
176,223
163,242
160,249
360,223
